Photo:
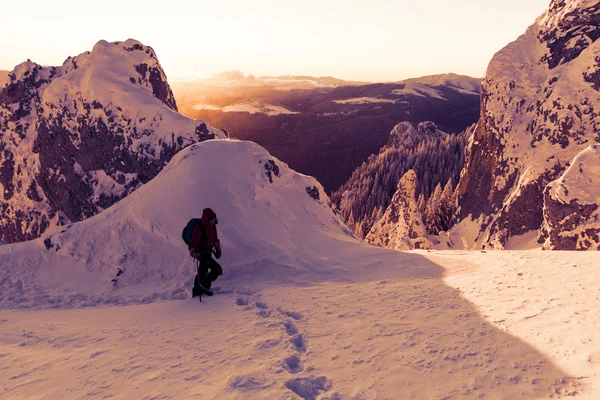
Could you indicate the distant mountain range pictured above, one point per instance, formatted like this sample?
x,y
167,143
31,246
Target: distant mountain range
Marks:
x,y
326,127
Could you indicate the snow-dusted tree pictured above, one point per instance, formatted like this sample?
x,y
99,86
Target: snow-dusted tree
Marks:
x,y
401,227
436,158
447,206
433,211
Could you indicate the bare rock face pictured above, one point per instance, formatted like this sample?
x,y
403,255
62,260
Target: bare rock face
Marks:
x,y
571,212
401,227
77,138
540,108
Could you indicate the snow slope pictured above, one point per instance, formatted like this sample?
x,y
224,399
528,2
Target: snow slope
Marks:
x,y
494,327
547,299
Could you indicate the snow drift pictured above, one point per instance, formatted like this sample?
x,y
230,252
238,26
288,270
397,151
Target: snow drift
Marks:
x,y
275,225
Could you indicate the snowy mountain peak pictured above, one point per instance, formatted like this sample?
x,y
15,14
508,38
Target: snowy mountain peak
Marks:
x,y
539,110
122,64
77,138
466,83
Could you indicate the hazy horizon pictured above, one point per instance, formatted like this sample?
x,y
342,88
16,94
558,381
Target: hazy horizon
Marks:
x,y
371,42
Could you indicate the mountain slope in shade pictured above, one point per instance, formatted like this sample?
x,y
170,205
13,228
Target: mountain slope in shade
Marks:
x,y
401,227
77,138
540,108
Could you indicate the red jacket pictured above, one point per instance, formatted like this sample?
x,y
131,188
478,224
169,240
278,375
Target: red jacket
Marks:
x,y
211,239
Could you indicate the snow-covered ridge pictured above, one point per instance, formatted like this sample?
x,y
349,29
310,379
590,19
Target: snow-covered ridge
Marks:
x,y
461,83
273,224
419,90
109,112
364,100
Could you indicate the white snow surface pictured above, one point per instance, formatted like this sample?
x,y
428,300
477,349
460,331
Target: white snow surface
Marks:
x,y
421,325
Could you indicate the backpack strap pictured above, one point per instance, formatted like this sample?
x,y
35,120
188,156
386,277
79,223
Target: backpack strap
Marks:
x,y
203,238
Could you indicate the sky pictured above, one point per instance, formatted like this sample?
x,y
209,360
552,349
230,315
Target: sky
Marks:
x,y
375,40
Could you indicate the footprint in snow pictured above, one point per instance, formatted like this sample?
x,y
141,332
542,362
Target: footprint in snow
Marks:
x,y
309,388
290,328
292,314
293,364
242,301
299,342
261,305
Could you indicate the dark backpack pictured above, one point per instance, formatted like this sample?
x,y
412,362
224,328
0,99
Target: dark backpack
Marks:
x,y
186,235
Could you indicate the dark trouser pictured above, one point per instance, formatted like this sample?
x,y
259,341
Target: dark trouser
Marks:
x,y
204,276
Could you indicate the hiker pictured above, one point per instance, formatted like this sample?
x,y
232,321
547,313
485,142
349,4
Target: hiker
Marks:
x,y
204,239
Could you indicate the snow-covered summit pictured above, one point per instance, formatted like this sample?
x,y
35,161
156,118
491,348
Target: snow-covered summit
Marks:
x,y
274,225
77,138
408,135
540,102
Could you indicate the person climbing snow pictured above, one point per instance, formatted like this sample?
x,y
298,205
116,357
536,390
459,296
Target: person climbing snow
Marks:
x,y
204,239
